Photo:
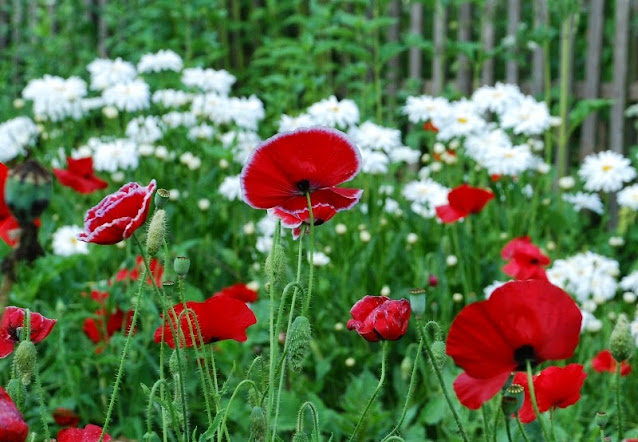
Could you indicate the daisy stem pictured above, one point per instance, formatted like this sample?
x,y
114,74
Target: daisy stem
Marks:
x,y
306,303
273,332
521,429
618,403
384,355
439,377
532,395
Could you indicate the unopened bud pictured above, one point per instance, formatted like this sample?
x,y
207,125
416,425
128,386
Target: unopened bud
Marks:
x,y
156,231
299,338
433,281
258,424
16,389
513,398
276,262
161,198
438,354
406,367
25,358
173,364
601,419
417,301
620,342
28,191
300,437
181,266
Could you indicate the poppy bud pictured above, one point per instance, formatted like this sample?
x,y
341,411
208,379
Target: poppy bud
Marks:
x,y
433,281
300,437
16,389
276,262
28,191
173,364
156,230
438,354
417,301
601,419
620,342
513,398
25,358
181,266
161,198
299,338
406,367
258,424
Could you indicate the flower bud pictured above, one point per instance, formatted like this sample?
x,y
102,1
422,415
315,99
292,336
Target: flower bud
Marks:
x,y
300,437
181,266
156,231
28,191
16,389
258,424
433,281
620,342
513,398
601,419
299,337
406,367
161,198
438,354
25,358
417,301
173,364
276,262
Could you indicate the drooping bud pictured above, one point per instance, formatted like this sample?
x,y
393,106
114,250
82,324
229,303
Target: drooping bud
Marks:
x,y
601,419
28,191
513,398
25,359
438,354
161,198
258,424
417,301
300,437
181,266
276,262
156,231
299,337
406,367
620,342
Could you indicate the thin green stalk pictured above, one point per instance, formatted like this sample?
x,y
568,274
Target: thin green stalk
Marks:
x,y
496,416
151,401
273,343
551,424
486,425
222,423
384,354
602,434
306,303
547,77
43,408
315,419
618,402
521,429
507,427
532,395
461,262
439,377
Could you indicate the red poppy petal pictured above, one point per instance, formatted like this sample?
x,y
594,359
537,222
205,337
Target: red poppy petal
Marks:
x,y
337,197
40,327
9,228
473,392
239,291
226,318
90,433
391,319
448,214
469,199
510,248
559,386
12,425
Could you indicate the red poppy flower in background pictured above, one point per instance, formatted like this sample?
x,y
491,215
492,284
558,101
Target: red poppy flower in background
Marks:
x,y
463,201
157,270
428,126
12,324
293,220
604,361
378,318
12,425
90,433
96,330
219,318
240,292
9,227
282,169
79,176
65,417
527,260
522,320
118,215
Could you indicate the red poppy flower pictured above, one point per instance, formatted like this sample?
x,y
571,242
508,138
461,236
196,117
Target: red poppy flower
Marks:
x,y
293,220
90,433
463,201
157,270
12,425
428,126
378,318
12,324
473,392
527,260
80,176
281,170
219,318
9,227
118,215
522,320
65,417
96,330
240,292
604,361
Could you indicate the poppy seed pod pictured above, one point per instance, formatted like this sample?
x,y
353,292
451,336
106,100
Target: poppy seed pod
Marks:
x,y
601,419
181,265
417,301
513,398
28,191
161,198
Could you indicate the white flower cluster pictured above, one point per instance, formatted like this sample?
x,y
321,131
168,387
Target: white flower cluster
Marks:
x,y
424,195
330,112
15,136
163,60
55,98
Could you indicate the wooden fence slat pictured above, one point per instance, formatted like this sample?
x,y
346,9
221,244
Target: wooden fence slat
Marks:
x,y
394,66
4,24
541,19
592,74
16,38
513,19
621,40
101,28
464,35
416,27
440,37
33,21
487,41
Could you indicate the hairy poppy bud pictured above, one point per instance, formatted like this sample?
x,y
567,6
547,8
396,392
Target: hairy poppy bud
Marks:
x,y
620,342
299,338
258,424
25,358
513,398
156,230
300,437
16,389
28,191
438,354
181,266
406,367
276,262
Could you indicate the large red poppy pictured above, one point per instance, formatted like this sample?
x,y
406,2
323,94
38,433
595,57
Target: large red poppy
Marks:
x,y
378,318
239,291
522,320
284,168
79,176
90,433
294,220
219,318
463,201
12,425
12,324
604,361
526,259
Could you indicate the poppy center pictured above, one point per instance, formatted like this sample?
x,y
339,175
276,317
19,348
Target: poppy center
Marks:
x,y
522,355
534,261
303,186
319,222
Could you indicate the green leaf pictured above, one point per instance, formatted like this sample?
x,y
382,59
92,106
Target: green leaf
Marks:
x,y
435,410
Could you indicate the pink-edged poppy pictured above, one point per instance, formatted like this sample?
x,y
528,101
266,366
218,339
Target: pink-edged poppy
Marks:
x,y
118,215
463,201
294,220
65,417
604,361
522,321
378,318
13,428
79,176
240,292
100,328
218,318
286,167
526,259
157,270
90,433
12,324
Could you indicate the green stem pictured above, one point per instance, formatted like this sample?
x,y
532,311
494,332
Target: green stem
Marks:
x,y
315,419
306,304
461,261
222,423
377,68
486,425
551,424
151,401
496,416
532,395
273,342
507,427
43,408
618,402
521,429
384,354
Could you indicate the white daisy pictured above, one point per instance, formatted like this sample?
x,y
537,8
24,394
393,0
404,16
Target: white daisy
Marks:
x,y
171,97
606,171
65,242
628,197
288,123
425,107
581,200
129,97
15,136
334,113
497,98
106,73
527,117
163,60
209,80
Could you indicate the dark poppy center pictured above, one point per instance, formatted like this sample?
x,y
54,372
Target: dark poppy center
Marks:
x,y
524,354
14,333
303,186
319,222
533,261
